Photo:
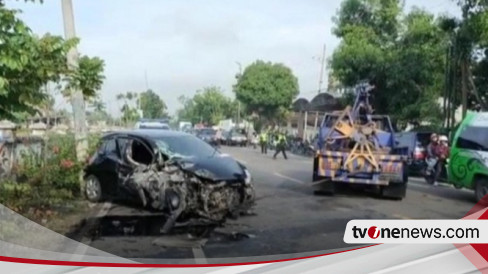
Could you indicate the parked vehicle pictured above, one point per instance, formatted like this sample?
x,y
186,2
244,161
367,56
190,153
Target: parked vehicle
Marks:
x,y
223,137
468,162
415,143
233,138
169,171
152,124
184,126
208,135
298,147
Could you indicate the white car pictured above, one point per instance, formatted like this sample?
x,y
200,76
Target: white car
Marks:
x,y
152,125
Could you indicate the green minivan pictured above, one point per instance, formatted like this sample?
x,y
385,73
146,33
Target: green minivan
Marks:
x,y
468,161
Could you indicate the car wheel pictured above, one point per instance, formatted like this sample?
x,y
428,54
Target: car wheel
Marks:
x,y
481,188
93,189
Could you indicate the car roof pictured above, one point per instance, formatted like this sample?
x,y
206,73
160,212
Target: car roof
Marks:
x,y
148,133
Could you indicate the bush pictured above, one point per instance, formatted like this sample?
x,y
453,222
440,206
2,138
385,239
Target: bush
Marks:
x,y
48,178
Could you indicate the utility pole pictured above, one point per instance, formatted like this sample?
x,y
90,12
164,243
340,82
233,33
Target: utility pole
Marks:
x,y
322,68
238,113
77,100
238,102
464,87
145,76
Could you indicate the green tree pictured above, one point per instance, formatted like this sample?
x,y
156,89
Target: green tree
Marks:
x,y
98,105
265,88
129,108
402,54
98,112
186,112
88,77
152,105
209,105
470,39
27,63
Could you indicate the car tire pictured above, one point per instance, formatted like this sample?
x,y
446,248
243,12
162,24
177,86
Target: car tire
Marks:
x,y
481,188
93,189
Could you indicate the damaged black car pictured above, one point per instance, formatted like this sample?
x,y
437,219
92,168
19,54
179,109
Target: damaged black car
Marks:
x,y
172,172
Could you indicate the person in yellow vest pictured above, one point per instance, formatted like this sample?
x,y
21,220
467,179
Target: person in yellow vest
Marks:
x,y
281,146
263,141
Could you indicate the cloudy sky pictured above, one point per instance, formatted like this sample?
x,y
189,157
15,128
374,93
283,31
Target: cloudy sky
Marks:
x,y
186,45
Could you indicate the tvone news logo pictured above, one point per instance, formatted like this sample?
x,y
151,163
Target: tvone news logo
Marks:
x,y
373,232
416,231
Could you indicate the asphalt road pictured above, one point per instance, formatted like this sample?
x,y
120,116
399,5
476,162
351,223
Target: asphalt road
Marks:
x,y
288,218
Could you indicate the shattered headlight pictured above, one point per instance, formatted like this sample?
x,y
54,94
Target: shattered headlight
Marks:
x,y
248,178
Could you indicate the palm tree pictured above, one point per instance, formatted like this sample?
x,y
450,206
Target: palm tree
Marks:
x,y
120,96
98,106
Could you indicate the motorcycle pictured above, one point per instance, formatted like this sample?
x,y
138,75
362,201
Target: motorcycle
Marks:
x,y
430,171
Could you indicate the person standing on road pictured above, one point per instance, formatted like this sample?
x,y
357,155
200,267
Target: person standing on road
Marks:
x,y
442,152
254,140
263,140
281,145
218,137
431,158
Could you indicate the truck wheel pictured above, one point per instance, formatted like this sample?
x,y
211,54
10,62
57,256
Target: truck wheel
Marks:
x,y
325,188
396,191
481,188
93,189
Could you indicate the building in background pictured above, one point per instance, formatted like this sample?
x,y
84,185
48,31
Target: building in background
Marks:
x,y
307,116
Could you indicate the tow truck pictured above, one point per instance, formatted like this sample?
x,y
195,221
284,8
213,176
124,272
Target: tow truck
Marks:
x,y
358,147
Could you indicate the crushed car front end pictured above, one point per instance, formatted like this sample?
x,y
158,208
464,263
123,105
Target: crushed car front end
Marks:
x,y
193,195
193,189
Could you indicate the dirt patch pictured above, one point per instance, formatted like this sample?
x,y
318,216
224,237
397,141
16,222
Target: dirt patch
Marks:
x,y
63,219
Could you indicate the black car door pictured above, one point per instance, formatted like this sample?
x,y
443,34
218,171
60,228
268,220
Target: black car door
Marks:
x,y
108,165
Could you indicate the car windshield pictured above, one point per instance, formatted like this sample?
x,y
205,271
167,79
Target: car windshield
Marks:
x,y
473,138
184,146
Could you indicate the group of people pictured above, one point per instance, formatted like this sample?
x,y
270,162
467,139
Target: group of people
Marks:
x,y
437,155
279,139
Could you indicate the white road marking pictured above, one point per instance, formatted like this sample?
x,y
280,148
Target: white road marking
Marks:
x,y
240,269
289,178
400,216
84,243
419,185
199,255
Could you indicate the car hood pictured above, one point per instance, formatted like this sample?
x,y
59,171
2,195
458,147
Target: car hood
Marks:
x,y
216,168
